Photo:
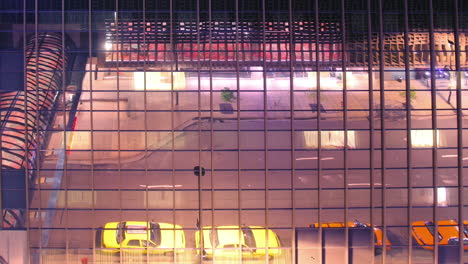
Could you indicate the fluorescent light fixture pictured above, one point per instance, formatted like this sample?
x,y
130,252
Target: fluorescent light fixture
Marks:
x,y
424,138
314,158
329,139
160,186
453,156
309,158
158,81
364,184
442,196
450,156
108,46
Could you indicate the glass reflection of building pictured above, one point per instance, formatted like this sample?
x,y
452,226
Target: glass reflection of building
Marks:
x,y
232,130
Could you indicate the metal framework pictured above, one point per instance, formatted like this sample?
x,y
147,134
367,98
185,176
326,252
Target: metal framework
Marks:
x,y
241,131
220,41
20,138
26,120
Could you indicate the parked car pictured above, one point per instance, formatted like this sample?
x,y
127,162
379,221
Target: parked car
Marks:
x,y
144,237
378,234
447,233
236,241
439,73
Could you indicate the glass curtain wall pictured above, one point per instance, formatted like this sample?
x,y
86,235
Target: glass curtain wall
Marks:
x,y
236,131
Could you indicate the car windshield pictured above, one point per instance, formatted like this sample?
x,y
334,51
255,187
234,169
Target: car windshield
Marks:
x,y
431,227
155,234
120,235
359,224
249,237
465,230
214,237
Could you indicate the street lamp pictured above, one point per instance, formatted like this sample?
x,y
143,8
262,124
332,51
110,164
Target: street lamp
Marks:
x,y
451,44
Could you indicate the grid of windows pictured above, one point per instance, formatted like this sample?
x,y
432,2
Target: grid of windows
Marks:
x,y
236,131
137,42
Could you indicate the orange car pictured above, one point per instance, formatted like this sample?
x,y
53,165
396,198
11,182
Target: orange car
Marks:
x,y
448,234
378,238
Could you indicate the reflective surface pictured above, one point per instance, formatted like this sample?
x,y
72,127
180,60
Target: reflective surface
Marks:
x,y
242,131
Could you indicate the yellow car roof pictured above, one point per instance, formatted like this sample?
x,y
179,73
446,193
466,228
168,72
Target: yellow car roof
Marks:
x,y
168,235
340,224
250,236
137,230
425,230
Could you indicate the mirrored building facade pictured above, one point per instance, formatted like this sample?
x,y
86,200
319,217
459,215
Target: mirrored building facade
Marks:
x,y
256,131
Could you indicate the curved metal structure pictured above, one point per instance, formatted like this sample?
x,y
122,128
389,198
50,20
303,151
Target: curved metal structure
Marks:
x,y
28,113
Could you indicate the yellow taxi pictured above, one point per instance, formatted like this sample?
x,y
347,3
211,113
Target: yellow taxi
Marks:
x,y
378,234
447,233
238,241
142,237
